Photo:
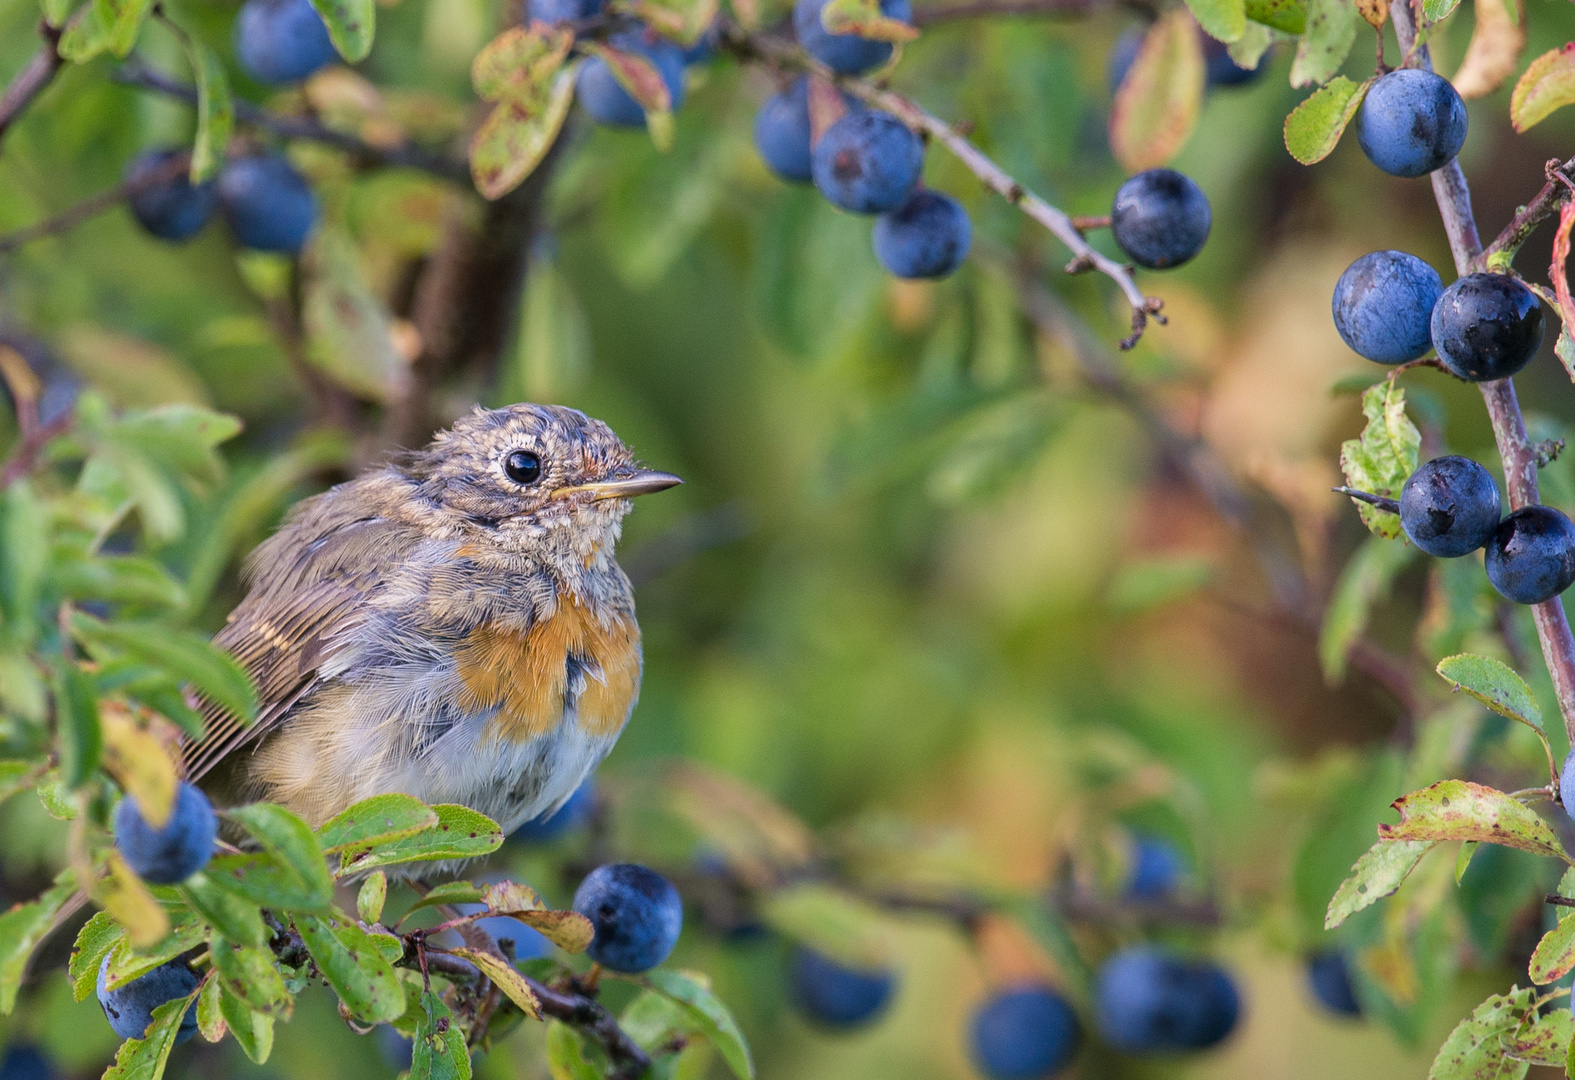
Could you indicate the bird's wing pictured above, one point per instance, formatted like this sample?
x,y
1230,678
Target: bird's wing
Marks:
x,y
311,587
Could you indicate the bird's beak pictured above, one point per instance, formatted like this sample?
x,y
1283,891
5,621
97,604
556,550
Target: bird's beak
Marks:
x,y
628,484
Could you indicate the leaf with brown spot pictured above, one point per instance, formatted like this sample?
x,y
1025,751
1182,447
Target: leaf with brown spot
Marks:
x,y
1461,810
517,135
520,62
1547,86
351,25
1375,12
505,978
1158,102
1377,874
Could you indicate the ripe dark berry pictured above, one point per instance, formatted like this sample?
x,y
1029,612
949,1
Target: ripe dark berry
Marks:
x,y
169,208
555,11
178,850
609,103
1450,507
839,997
281,41
129,1006
847,54
1149,1001
1383,306
925,237
1487,326
574,812
1329,975
1024,1034
1156,869
1223,71
637,915
1411,122
1531,558
867,162
24,1062
1160,218
782,132
267,204
1567,784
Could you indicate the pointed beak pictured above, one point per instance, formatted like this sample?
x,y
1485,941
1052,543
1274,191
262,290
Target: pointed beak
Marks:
x,y
634,482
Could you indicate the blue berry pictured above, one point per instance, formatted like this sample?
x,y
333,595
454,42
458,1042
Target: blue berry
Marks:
x,y
705,46
1383,306
129,1007
25,1062
575,811
1223,71
1411,122
637,915
170,208
526,941
1567,784
1450,507
281,41
926,237
867,162
1160,218
1024,1034
556,11
1487,326
782,132
1329,975
1156,869
609,103
268,205
1122,55
846,54
1531,558
178,850
1149,1001
837,996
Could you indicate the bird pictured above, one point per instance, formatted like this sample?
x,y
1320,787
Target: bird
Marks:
x,y
452,625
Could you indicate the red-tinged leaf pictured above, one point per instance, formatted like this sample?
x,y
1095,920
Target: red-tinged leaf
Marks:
x,y
1313,128
1543,1040
1495,48
1558,274
1475,1049
515,138
1461,810
1547,86
1157,105
1375,12
520,62
1554,956
637,75
505,978
863,18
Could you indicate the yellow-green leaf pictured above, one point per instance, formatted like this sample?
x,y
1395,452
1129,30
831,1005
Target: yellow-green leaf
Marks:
x,y
138,760
1330,33
20,929
1157,105
252,1029
505,978
1495,684
251,974
1384,456
461,833
1475,1049
1461,810
94,941
1287,16
351,25
381,819
121,893
145,1058
1377,874
349,333
1547,86
517,134
520,62
369,900
354,967
1313,128
1542,1039
1224,20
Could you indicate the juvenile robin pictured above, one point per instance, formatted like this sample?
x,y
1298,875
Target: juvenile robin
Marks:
x,y
453,626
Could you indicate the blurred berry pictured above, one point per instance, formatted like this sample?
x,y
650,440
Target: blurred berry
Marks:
x,y
867,162
1156,868
572,814
846,54
836,996
267,204
129,1007
605,99
555,11
1024,1034
281,41
1148,1001
25,1062
178,850
169,208
637,915
1223,71
1160,218
1329,975
926,237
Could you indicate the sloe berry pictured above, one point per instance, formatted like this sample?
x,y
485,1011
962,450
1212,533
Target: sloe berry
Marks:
x,y
637,915
846,54
926,237
129,1006
573,812
1149,1001
1024,1033
602,96
1156,868
837,996
1160,218
1450,507
281,41
556,11
1383,306
170,208
867,162
1487,326
1329,976
1411,122
178,850
1531,558
267,204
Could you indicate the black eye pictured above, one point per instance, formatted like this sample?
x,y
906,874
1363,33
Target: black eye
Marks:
x,y
522,467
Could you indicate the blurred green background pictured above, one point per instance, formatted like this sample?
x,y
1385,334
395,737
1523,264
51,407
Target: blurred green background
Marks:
x,y
920,571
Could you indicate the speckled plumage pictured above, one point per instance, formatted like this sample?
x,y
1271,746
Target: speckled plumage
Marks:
x,y
436,628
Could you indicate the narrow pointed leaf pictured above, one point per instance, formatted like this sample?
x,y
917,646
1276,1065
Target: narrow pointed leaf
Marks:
x,y
145,1058
1495,684
354,967
21,928
94,941
252,1029
460,833
235,917
692,991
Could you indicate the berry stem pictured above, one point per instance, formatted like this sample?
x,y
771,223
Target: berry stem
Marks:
x,y
1509,427
1388,505
1554,194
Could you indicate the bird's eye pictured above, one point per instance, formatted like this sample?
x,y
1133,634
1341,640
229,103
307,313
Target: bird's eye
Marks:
x,y
522,467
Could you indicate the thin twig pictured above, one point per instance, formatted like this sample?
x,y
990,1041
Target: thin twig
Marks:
x,y
1509,427
1084,258
32,79
74,215
1391,506
406,155
1544,205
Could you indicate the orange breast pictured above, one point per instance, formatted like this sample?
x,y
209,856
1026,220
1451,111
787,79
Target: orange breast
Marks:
x,y
525,674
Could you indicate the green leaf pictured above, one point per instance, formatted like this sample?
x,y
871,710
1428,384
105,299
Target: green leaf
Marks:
x,y
568,1056
266,882
1313,128
292,843
685,21
1437,10
1463,860
692,991
1377,874
1475,1049
56,11
127,964
351,25
1544,1039
215,110
505,978
1554,956
24,558
252,1029
185,655
210,1020
121,579
251,974
369,900
1547,86
349,332
1325,43
1247,51
1363,583
831,922
86,36
1223,20
450,892
77,725
354,967
145,1058
439,1051
1152,583
97,937
1158,102
1461,810
17,776
373,822
22,690
21,928
179,436
232,916
460,833
1381,460
1288,16
517,134
123,20
1495,684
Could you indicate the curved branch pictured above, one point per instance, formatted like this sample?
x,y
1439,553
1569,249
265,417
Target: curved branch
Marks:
x,y
38,73
1509,427
77,213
